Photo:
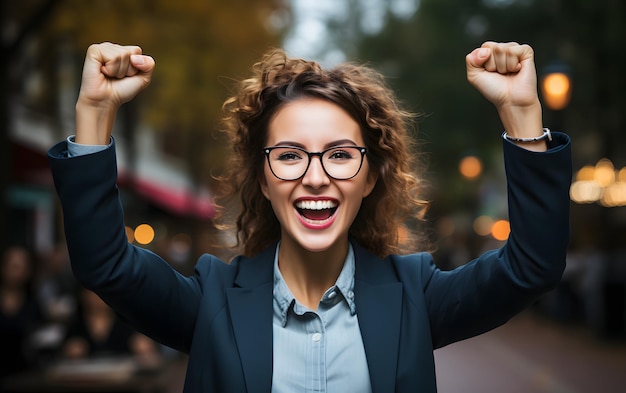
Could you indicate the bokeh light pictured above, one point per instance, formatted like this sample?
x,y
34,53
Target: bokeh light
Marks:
x,y
470,167
501,230
600,183
556,89
482,225
585,191
144,234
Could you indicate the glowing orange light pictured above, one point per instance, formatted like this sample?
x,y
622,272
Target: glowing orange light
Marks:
x,y
556,90
586,173
470,167
144,234
614,195
605,173
501,230
601,183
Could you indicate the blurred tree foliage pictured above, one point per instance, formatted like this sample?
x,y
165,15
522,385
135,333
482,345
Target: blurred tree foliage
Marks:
x,y
423,56
199,46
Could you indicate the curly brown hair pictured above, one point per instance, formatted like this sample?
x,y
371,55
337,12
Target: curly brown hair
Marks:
x,y
364,95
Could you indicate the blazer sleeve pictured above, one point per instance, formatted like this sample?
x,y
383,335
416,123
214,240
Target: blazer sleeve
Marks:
x,y
489,290
136,283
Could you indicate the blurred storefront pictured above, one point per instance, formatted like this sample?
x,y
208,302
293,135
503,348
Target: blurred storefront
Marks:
x,y
157,185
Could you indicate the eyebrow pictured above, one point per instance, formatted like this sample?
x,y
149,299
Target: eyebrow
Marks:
x,y
340,142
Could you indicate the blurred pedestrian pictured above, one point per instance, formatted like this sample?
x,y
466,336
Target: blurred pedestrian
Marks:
x,y
20,313
322,161
56,286
98,332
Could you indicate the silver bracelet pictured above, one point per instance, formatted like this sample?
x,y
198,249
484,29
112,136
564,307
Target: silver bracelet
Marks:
x,y
546,135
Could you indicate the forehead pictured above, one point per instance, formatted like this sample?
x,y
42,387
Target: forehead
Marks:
x,y
312,123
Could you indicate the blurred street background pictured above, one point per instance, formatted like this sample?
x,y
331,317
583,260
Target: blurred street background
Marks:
x,y
532,354
170,148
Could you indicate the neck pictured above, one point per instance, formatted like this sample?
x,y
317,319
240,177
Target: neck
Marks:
x,y
309,274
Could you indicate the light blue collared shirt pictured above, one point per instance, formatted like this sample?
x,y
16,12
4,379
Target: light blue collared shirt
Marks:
x,y
319,351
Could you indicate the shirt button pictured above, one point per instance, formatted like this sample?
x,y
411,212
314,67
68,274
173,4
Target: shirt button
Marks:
x,y
350,294
316,337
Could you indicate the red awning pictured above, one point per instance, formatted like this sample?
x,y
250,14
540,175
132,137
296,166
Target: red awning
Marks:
x,y
179,201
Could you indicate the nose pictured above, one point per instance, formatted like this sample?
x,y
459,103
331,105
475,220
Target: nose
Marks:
x,y
315,176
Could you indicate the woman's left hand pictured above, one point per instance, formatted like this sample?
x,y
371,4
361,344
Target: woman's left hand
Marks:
x,y
505,74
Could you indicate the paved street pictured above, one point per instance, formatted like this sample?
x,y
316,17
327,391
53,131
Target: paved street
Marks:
x,y
532,355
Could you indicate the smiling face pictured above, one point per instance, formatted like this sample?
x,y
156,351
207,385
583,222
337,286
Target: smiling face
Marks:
x,y
315,212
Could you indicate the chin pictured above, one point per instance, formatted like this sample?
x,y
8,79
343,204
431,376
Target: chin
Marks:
x,y
319,243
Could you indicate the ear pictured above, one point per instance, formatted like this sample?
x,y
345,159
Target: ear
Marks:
x,y
372,178
264,187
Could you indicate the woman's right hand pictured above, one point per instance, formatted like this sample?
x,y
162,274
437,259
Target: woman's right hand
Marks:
x,y
112,75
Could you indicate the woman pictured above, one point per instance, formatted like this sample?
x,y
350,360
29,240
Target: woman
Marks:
x,y
20,313
98,332
319,301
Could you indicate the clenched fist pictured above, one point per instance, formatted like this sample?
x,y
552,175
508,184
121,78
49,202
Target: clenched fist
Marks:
x,y
504,73
112,75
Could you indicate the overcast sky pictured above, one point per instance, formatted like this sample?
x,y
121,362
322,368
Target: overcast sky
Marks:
x,y
309,38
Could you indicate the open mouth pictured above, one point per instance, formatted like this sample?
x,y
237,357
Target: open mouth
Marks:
x,y
316,210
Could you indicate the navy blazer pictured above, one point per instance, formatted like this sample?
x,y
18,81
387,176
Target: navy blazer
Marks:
x,y
222,314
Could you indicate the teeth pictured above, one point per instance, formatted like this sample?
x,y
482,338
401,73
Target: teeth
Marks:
x,y
316,205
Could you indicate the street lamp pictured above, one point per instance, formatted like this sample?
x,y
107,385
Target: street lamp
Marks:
x,y
556,86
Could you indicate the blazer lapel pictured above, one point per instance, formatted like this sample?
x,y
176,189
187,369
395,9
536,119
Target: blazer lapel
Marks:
x,y
378,298
250,307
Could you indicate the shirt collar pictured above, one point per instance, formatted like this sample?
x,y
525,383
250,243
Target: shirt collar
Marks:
x,y
283,298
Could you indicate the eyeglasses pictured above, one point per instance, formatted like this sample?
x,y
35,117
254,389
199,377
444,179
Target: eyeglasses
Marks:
x,y
291,163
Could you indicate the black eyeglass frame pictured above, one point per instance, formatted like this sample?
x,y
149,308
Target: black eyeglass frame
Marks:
x,y
320,154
